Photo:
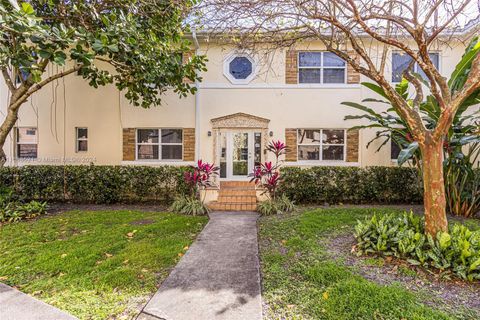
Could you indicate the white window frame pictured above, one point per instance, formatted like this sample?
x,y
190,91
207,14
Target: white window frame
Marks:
x,y
230,77
78,139
416,66
321,68
321,145
159,144
18,143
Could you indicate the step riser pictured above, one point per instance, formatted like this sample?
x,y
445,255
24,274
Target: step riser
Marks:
x,y
232,207
237,199
235,196
236,184
240,193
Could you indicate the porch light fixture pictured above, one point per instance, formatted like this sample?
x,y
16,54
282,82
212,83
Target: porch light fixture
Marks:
x,y
209,133
270,133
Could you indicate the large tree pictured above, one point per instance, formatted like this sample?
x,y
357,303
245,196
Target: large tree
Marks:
x,y
370,29
135,44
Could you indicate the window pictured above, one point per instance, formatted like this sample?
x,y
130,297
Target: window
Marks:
x,y
394,150
400,62
320,67
27,143
239,68
321,144
159,144
81,139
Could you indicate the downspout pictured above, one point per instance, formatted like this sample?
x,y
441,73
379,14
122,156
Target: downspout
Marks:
x,y
197,101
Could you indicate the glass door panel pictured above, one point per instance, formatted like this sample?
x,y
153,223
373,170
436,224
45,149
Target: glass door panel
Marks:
x,y
240,154
257,161
223,154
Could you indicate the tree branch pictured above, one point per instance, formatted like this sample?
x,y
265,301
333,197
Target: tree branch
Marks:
x,y
8,80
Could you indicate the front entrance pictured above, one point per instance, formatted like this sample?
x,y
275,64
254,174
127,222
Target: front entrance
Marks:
x,y
240,151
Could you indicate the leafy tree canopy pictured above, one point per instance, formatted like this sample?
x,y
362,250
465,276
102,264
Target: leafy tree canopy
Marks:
x,y
135,44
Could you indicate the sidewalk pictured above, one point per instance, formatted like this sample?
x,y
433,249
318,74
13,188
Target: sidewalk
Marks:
x,y
15,305
218,278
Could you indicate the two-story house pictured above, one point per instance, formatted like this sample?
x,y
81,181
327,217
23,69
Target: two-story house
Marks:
x,y
244,100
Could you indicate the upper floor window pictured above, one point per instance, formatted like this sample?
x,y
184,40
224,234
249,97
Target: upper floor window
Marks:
x,y
239,68
321,144
81,139
27,143
401,61
159,144
320,67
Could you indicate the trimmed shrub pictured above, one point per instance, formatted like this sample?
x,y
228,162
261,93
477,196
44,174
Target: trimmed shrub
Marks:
x,y
95,184
403,236
319,185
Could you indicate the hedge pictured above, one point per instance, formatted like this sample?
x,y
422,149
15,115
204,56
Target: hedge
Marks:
x,y
95,184
383,185
130,184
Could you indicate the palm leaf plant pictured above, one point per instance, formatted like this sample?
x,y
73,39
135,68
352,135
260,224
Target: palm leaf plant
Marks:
x,y
461,145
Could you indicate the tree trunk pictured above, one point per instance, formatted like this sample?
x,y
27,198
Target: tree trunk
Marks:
x,y
434,188
6,127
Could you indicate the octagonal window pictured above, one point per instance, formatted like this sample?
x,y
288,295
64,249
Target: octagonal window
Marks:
x,y
240,68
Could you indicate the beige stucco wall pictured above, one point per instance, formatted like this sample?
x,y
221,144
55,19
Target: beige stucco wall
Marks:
x,y
105,111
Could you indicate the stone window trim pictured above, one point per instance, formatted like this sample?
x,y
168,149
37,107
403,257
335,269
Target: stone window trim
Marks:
x,y
159,144
130,139
321,67
321,144
226,67
352,138
352,77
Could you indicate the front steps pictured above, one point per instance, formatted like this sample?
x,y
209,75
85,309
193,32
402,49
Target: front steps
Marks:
x,y
235,196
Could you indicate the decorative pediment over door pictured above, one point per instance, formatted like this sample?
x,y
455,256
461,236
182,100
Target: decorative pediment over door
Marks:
x,y
240,120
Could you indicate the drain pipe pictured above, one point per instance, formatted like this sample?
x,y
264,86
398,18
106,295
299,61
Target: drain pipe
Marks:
x,y
197,101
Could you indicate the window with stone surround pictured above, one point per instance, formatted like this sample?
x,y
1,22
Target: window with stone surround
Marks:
x,y
159,144
321,67
401,61
321,144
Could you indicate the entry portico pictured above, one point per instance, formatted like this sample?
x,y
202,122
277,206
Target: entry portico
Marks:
x,y
239,142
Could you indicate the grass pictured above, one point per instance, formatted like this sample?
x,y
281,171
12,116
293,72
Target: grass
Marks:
x,y
95,265
301,281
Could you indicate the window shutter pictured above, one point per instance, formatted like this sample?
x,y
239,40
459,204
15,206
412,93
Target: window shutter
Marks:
x,y
353,137
189,144
291,67
353,77
129,144
291,142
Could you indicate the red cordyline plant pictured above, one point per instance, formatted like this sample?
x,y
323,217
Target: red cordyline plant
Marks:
x,y
267,175
200,176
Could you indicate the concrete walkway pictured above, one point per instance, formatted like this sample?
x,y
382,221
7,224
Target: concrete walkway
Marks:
x,y
15,305
218,278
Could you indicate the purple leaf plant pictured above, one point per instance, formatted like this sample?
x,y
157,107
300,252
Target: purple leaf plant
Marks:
x,y
267,175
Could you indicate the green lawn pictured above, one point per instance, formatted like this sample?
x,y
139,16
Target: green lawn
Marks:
x,y
303,281
95,265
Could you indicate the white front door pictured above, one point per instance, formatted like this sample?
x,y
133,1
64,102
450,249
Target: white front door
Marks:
x,y
239,151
